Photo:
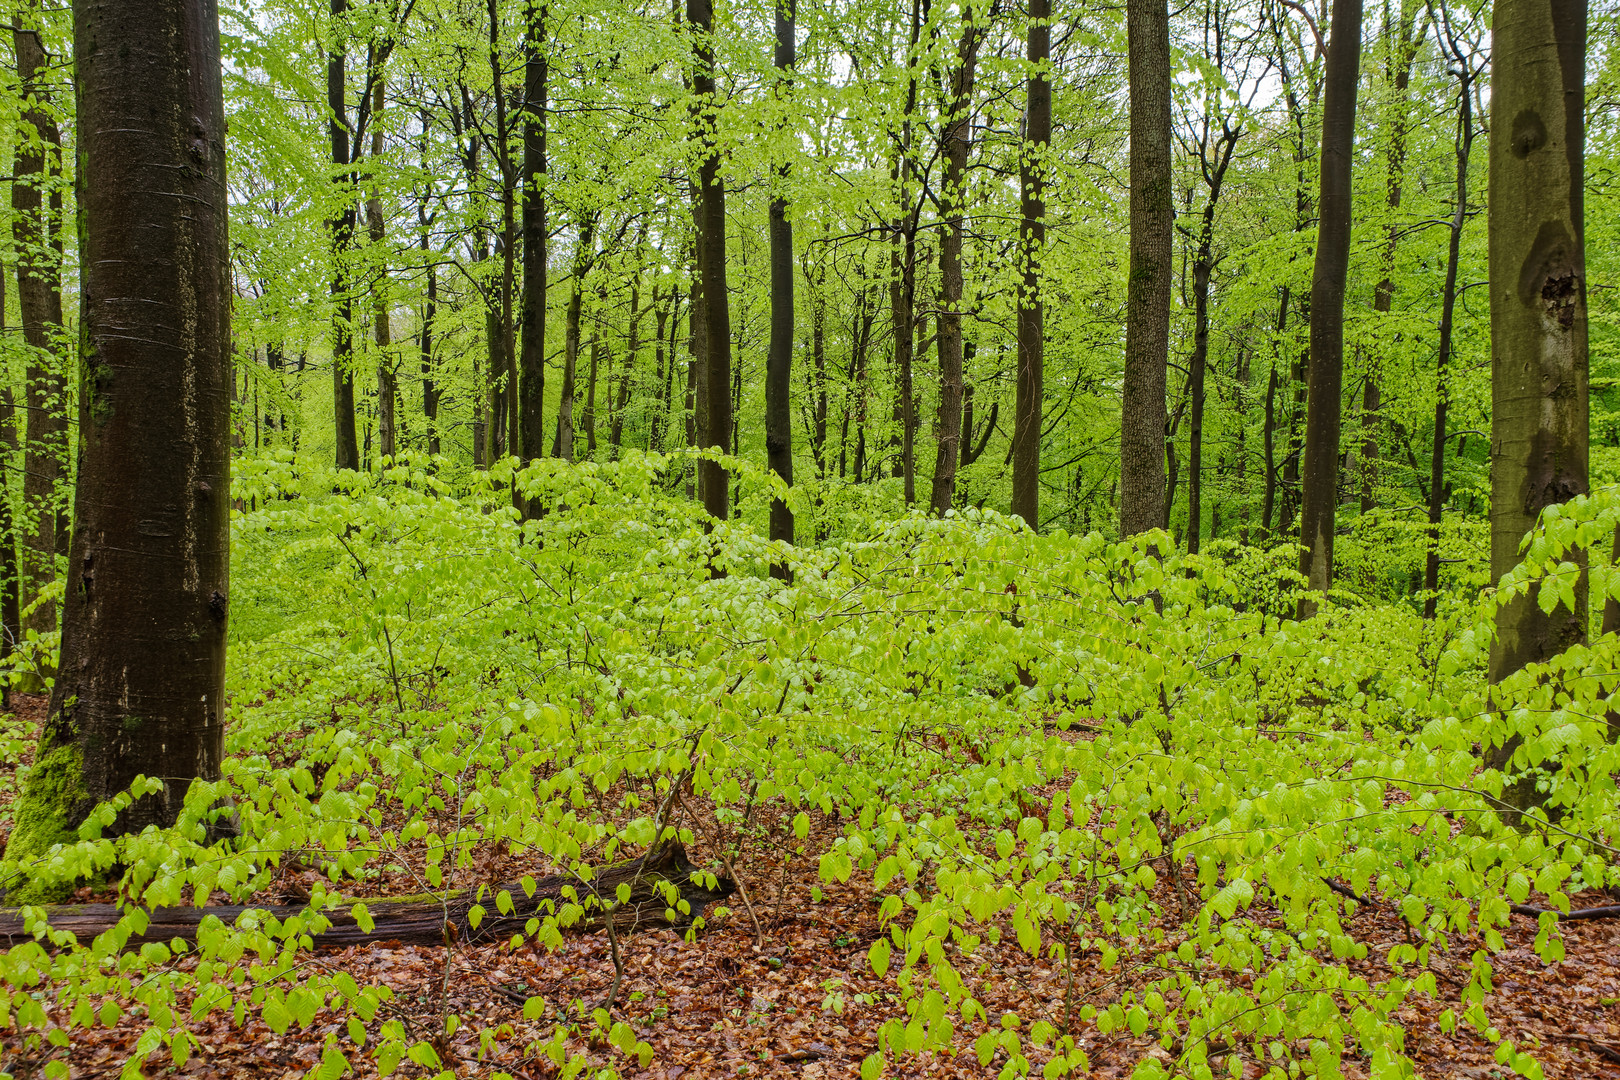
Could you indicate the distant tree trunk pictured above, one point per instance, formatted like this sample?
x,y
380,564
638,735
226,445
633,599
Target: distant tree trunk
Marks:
x,y
588,415
150,546
532,378
664,371
36,204
347,455
697,344
779,364
711,224
1026,440
1147,326
505,411
1319,498
818,373
1269,445
10,585
1214,173
1437,460
430,391
376,227
956,135
860,363
621,400
1538,314
584,259
1399,72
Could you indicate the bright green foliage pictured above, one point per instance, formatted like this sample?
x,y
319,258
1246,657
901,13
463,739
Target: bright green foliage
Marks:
x,y
417,672
52,796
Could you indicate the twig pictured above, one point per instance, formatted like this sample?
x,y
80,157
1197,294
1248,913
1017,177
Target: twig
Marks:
x,y
1345,890
1610,912
1603,1049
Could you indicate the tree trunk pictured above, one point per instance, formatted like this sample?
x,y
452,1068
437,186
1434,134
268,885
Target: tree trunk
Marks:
x,y
715,432
430,391
347,453
10,585
150,545
532,380
1319,498
584,259
1399,73
957,134
1538,313
1437,459
588,415
505,418
779,364
621,399
1147,326
1026,440
1214,173
376,227
36,204
903,273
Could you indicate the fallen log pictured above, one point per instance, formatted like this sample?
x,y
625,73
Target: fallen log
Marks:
x,y
433,919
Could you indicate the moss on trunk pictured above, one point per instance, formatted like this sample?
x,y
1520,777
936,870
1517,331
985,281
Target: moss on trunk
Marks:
x,y
48,813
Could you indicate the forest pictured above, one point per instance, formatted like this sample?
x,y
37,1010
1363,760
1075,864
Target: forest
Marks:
x,y
810,538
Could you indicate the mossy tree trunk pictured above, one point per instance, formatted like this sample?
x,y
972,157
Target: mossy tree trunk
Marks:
x,y
143,646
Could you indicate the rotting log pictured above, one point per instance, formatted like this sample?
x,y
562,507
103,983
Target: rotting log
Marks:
x,y
432,919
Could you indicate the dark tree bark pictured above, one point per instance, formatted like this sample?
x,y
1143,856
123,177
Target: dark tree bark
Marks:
x,y
532,377
141,688
1147,326
1026,439
584,258
1465,73
1539,411
716,431
1213,165
621,399
1319,497
779,363
903,272
505,413
588,414
10,582
430,311
342,228
36,204
956,136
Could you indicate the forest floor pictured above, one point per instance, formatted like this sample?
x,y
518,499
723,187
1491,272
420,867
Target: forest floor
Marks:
x,y
795,997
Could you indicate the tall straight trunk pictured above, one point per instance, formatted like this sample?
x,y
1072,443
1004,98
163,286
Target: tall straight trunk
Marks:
x,y
1319,497
150,547
10,584
588,415
664,368
584,258
532,376
505,424
859,379
1399,72
621,399
711,225
1437,460
36,203
430,390
1147,318
1026,440
779,362
1538,313
697,345
1203,266
1269,435
376,228
347,453
957,134
903,274
818,371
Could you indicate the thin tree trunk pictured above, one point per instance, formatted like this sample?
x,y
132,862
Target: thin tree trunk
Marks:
x,y
10,584
903,274
584,259
621,400
1147,326
387,390
957,135
588,416
430,391
1437,460
506,412
150,546
36,203
1203,266
1319,498
779,364
532,381
1539,410
1026,440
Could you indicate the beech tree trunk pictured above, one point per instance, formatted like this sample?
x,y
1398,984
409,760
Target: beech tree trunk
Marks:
x,y
779,363
584,258
532,377
1319,497
715,432
1448,307
1538,313
141,687
1147,319
505,426
10,583
957,134
36,204
1026,439
347,453
376,228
